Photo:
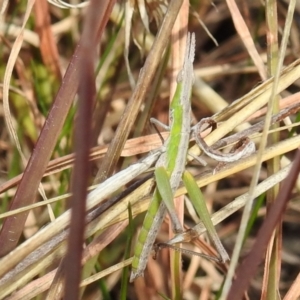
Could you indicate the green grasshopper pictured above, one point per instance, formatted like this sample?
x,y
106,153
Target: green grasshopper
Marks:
x,y
170,170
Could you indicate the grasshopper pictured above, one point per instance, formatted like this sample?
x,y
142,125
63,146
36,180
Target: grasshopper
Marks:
x,y
170,170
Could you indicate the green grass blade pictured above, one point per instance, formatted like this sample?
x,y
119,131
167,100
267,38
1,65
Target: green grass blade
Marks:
x,y
198,201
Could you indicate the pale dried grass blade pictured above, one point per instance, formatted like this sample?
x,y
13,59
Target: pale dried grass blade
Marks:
x,y
129,9
144,15
7,77
263,143
63,4
6,82
106,272
246,38
3,5
294,291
